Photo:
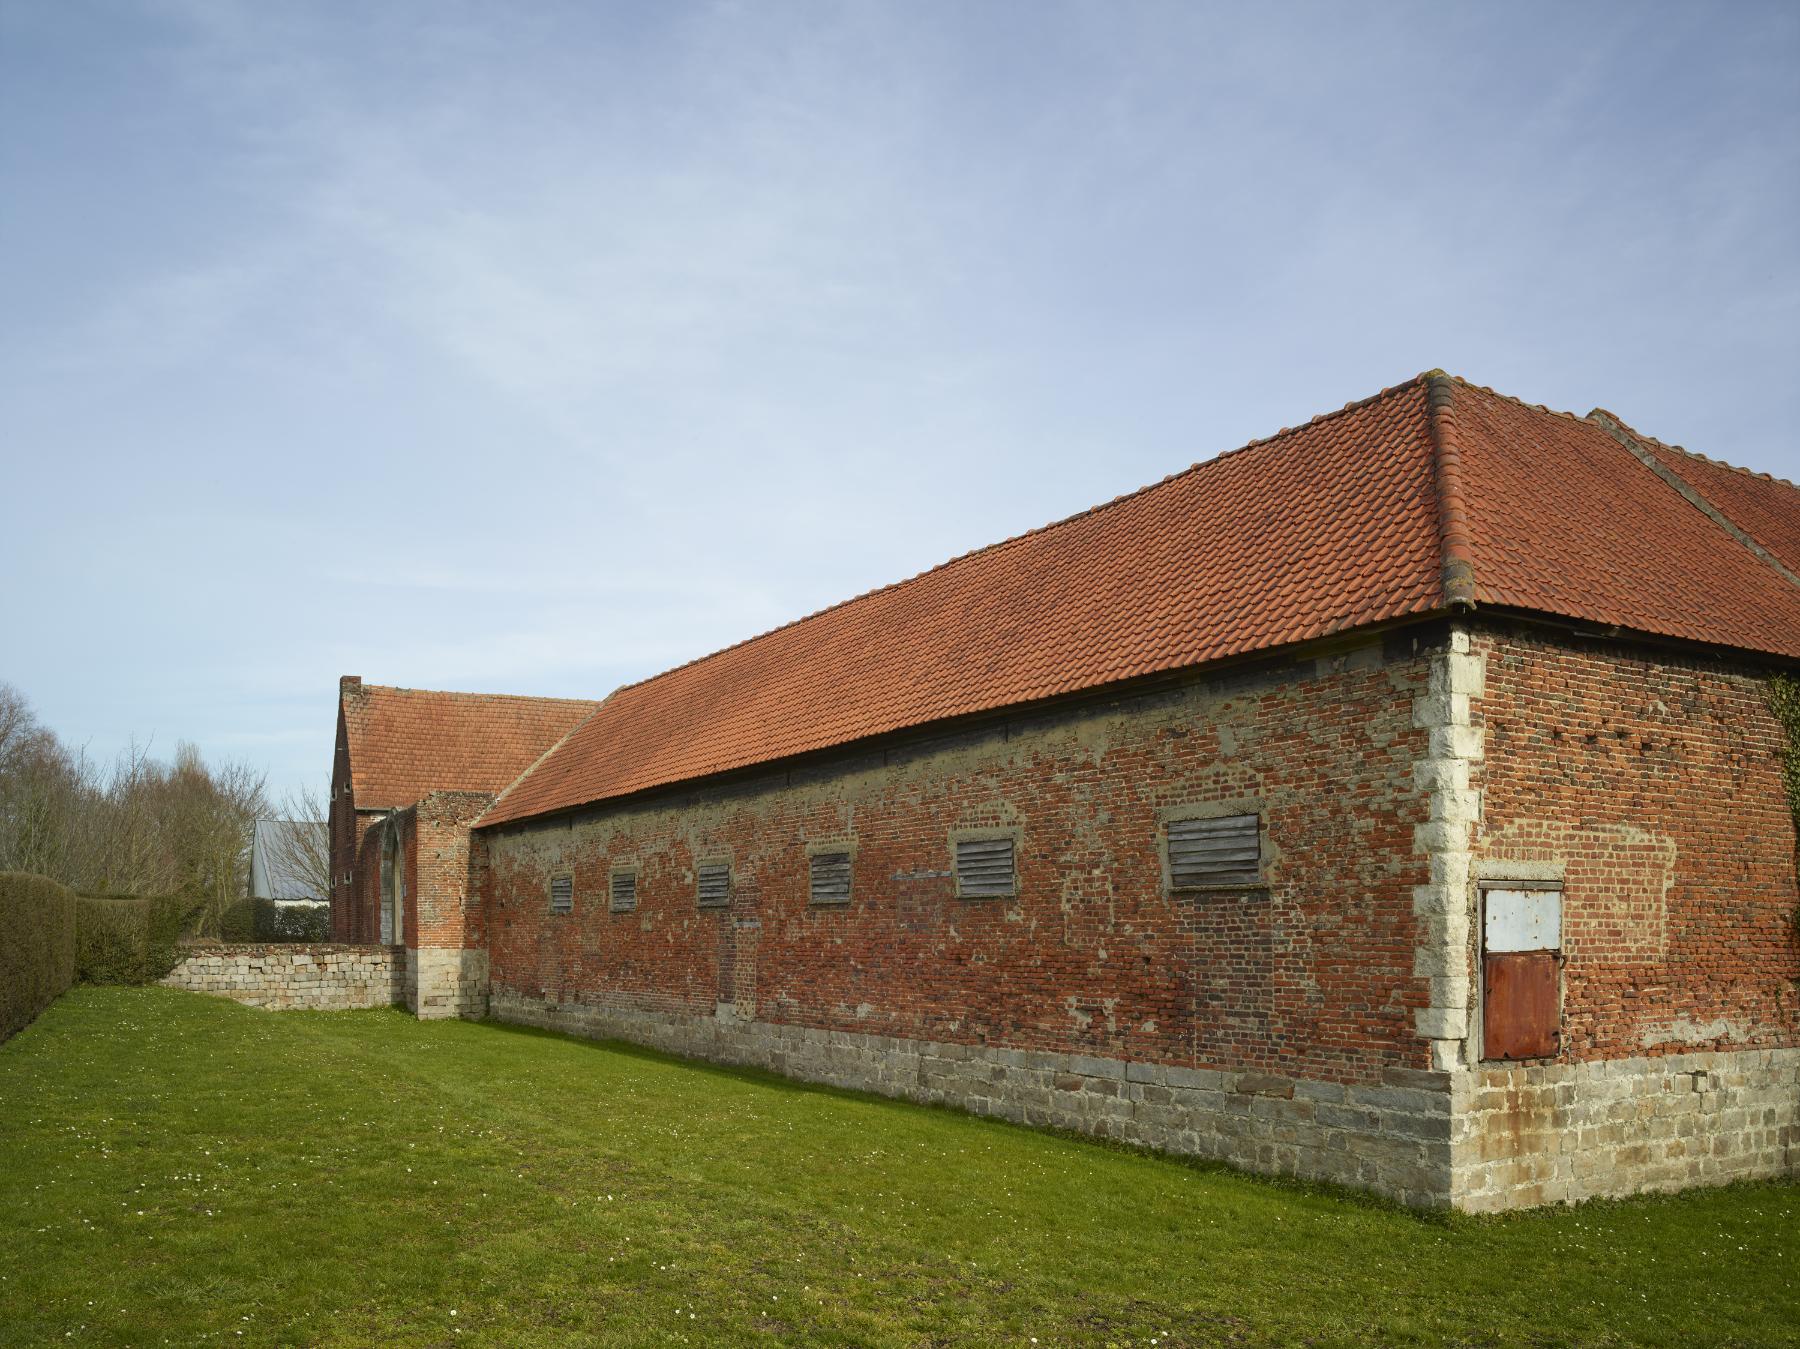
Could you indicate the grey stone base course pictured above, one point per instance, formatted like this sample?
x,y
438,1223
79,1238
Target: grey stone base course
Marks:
x,y
1392,1136
302,978
1541,1134
447,982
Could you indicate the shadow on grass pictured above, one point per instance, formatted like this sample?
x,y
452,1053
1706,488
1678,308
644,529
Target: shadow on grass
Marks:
x,y
901,1107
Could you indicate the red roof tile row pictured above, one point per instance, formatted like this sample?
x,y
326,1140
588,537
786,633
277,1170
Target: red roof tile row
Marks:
x,y
1433,491
1765,508
1568,521
404,743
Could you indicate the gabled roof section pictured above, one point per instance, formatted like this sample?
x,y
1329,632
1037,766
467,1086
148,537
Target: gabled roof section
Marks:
x,y
1568,520
1431,497
405,743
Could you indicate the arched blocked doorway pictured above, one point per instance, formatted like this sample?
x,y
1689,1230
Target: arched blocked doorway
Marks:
x,y
393,888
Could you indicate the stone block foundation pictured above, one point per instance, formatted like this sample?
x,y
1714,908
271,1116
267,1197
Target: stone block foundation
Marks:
x,y
296,978
1392,1136
1483,1140
447,982
1546,1133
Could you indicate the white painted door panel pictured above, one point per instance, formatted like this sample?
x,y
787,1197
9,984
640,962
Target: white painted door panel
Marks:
x,y
1523,920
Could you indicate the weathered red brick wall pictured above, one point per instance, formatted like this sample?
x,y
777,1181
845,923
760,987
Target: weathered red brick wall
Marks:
x,y
345,840
355,836
362,898
357,841
1654,780
1311,977
434,855
438,893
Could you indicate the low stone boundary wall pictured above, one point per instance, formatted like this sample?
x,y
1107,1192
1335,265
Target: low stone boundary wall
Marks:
x,y
286,977
1392,1136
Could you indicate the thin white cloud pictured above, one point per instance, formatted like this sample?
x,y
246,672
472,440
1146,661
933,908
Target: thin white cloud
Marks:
x,y
543,348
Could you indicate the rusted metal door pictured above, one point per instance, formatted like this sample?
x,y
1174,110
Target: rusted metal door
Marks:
x,y
1521,973
1521,1013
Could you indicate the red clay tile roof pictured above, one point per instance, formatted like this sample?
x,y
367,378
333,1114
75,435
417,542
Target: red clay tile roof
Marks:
x,y
405,743
1431,493
1765,508
1568,521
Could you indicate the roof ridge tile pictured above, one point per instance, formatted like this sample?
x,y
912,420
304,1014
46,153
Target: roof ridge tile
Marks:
x,y
1638,435
1348,520
990,548
460,693
1516,401
1457,549
404,743
1629,429
1689,492
531,767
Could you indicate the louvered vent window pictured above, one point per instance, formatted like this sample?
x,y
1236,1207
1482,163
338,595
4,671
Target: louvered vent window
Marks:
x,y
624,891
715,885
562,894
831,878
1226,851
984,866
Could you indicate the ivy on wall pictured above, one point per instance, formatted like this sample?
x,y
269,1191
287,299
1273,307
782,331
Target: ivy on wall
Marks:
x,y
1784,701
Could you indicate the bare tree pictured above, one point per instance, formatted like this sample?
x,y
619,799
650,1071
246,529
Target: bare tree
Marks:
x,y
124,849
18,725
141,827
303,852
39,791
208,818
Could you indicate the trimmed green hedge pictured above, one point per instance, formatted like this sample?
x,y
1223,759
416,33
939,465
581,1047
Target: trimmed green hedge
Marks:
x,y
51,937
263,920
238,922
37,947
112,940
131,939
292,922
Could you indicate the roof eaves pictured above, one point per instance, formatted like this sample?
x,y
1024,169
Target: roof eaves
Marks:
x,y
977,716
1355,405
1453,512
1459,578
1617,429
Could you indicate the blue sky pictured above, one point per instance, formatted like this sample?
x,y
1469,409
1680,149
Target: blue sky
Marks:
x,y
538,347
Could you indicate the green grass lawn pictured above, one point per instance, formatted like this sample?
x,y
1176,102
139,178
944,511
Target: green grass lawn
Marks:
x,y
175,1168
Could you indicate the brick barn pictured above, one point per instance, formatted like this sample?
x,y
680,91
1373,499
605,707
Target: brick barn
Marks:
x,y
1395,801
415,769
